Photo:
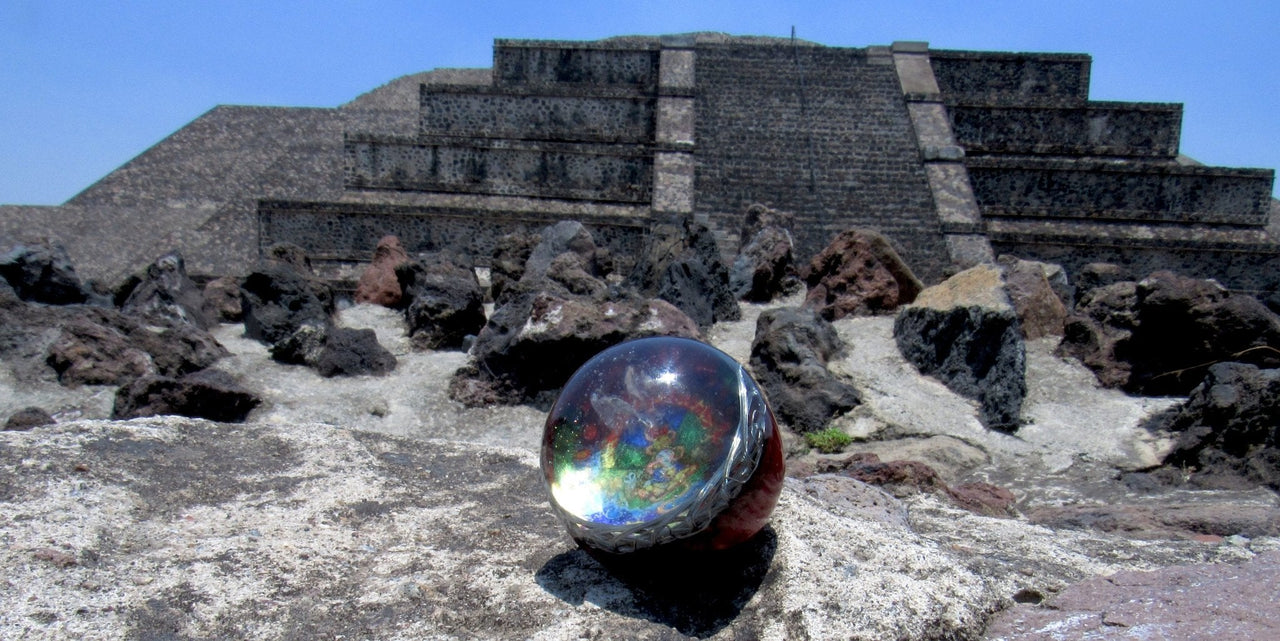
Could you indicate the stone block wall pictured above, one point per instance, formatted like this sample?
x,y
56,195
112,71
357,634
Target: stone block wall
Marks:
x,y
984,76
821,132
561,64
1094,128
1102,190
464,111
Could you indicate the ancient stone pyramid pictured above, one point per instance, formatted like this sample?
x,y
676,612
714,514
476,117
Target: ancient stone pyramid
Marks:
x,y
956,156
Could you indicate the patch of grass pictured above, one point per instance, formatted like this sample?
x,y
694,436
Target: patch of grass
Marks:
x,y
828,441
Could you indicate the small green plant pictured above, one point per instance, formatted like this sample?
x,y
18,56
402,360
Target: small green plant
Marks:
x,y
828,441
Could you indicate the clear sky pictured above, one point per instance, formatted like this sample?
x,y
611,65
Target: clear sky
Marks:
x,y
88,85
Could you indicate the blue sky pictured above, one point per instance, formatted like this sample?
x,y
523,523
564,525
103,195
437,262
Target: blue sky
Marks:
x,y
88,85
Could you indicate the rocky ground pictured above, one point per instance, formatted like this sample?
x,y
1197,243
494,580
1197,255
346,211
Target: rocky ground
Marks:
x,y
377,507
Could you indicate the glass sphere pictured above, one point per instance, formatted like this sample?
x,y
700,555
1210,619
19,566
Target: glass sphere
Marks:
x,y
658,440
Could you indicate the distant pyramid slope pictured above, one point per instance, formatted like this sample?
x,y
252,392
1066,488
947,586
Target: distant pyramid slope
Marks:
x,y
402,93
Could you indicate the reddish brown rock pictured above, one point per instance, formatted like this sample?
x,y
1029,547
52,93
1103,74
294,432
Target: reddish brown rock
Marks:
x,y
378,284
222,300
982,498
859,274
1189,602
1040,311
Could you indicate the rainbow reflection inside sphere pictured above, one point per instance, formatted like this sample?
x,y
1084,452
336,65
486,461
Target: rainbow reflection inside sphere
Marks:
x,y
651,440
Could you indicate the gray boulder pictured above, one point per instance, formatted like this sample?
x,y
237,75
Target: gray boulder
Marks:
x,y
765,265
965,333
680,264
789,357
165,295
443,301
208,394
42,272
28,418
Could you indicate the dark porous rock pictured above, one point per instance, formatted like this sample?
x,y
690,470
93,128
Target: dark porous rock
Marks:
x,y
531,346
1228,430
335,351
208,394
27,418
1203,601
277,299
288,255
858,274
444,302
42,272
506,265
1095,275
180,350
680,264
1158,337
765,265
569,271
965,333
1100,328
789,357
90,353
1040,310
222,300
165,295
378,284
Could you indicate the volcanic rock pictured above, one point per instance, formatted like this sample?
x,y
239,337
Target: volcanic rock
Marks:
x,y
859,273
164,295
42,272
27,418
1159,336
680,264
222,300
335,351
1228,430
378,284
764,267
444,303
1095,275
278,299
531,346
789,357
507,264
964,332
1041,312
208,394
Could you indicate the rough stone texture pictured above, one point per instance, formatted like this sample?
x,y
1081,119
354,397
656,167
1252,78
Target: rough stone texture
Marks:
x,y
208,394
278,299
1228,431
859,273
1094,275
1159,336
378,284
27,418
506,266
965,333
531,346
222,300
335,351
681,265
166,295
789,356
444,302
1191,602
1040,310
1250,516
764,267
182,528
41,272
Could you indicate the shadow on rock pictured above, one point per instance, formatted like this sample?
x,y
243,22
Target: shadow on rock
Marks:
x,y
697,593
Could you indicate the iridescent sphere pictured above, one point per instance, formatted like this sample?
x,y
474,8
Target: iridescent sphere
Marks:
x,y
660,440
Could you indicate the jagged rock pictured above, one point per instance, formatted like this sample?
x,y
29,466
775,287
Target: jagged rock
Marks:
x,y
165,295
1228,430
277,299
964,332
335,351
1095,275
222,300
566,236
765,266
42,272
531,346
27,418
1161,339
444,303
680,264
1040,309
1222,601
569,271
859,273
208,394
88,353
507,264
180,350
378,284
289,255
789,357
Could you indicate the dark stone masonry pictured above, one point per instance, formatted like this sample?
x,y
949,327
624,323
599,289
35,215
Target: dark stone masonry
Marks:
x,y
954,156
